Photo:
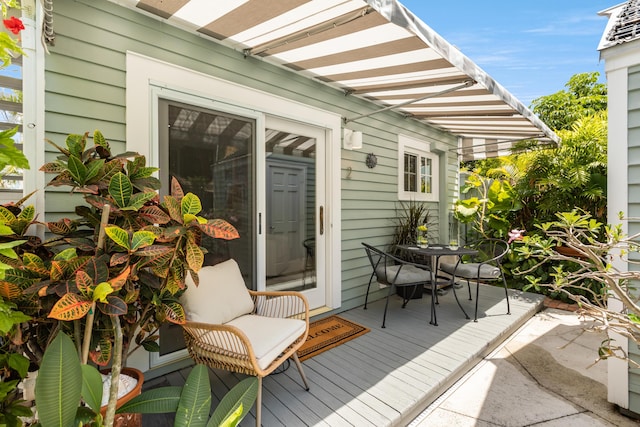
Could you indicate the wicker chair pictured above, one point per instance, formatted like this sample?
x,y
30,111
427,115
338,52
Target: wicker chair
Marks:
x,y
232,328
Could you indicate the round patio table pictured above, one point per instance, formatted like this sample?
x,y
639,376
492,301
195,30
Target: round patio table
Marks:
x,y
433,253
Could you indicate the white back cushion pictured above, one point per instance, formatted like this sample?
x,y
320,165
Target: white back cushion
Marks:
x,y
221,296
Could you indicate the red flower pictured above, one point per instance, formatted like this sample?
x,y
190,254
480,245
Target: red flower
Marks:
x,y
13,24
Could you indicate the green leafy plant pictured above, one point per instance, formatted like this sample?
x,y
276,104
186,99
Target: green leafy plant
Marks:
x,y
491,199
192,402
13,366
67,393
409,216
112,276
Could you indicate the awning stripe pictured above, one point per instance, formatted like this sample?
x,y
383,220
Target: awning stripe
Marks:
x,y
406,44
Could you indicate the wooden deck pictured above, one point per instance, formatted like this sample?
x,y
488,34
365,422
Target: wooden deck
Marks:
x,y
388,376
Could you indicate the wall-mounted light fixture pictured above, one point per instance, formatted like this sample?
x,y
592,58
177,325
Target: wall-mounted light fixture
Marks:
x,y
352,140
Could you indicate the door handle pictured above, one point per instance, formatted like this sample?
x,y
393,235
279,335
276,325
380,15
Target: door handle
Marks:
x,y
321,220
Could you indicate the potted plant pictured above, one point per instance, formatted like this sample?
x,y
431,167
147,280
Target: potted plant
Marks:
x,y
411,218
193,401
112,276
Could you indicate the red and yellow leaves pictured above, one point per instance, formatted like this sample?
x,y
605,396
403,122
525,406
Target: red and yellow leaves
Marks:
x,y
70,307
154,215
119,281
195,256
219,229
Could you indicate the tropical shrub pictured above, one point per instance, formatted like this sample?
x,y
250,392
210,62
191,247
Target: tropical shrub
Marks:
x,y
110,277
78,402
192,402
584,97
595,278
409,216
489,205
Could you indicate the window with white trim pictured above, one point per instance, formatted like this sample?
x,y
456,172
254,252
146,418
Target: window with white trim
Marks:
x,y
418,170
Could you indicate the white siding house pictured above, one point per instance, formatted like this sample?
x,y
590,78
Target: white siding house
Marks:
x,y
620,49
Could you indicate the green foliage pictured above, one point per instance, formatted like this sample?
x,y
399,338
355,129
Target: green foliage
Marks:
x,y
149,251
13,366
8,45
192,402
409,215
489,203
10,317
584,97
119,266
601,266
60,380
527,189
63,384
570,176
10,155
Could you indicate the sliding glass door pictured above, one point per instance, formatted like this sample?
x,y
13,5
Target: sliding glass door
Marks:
x,y
294,215
264,175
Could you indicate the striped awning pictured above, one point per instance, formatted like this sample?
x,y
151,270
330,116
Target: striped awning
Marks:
x,y
373,49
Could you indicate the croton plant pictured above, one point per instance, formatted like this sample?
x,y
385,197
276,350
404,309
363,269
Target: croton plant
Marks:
x,y
99,273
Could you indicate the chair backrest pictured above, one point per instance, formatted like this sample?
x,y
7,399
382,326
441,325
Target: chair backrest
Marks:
x,y
380,261
310,246
220,297
490,250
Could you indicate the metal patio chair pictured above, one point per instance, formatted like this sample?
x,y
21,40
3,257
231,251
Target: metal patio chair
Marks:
x,y
484,267
395,272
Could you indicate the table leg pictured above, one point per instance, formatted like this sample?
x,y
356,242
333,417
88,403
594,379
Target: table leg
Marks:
x,y
434,290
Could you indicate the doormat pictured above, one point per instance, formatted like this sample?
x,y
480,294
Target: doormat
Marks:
x,y
328,333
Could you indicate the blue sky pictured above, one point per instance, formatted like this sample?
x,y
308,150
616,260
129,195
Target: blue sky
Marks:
x,y
531,48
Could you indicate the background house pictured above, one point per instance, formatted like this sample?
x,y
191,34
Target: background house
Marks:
x,y
620,49
297,122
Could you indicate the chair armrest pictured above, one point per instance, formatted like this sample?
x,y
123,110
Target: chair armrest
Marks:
x,y
498,247
217,338
283,304
403,261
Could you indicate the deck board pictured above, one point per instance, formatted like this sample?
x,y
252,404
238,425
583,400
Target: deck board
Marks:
x,y
387,376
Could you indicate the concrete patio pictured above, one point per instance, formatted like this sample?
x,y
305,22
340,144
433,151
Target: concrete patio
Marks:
x,y
543,375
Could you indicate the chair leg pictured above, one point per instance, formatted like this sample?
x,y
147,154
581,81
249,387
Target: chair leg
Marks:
x,y
299,365
434,301
366,297
469,289
386,304
475,318
455,294
506,294
259,404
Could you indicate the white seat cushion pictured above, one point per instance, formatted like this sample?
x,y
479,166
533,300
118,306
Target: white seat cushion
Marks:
x,y
470,270
408,274
221,296
269,336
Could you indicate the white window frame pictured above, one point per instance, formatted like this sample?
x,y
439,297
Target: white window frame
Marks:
x,y
422,150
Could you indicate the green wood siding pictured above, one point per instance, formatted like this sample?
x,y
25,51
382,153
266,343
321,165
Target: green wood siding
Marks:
x,y
634,207
85,76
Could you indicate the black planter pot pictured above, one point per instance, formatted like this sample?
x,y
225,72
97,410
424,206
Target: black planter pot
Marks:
x,y
410,292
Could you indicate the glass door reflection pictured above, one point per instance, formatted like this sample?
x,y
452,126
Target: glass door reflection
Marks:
x,y
290,166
